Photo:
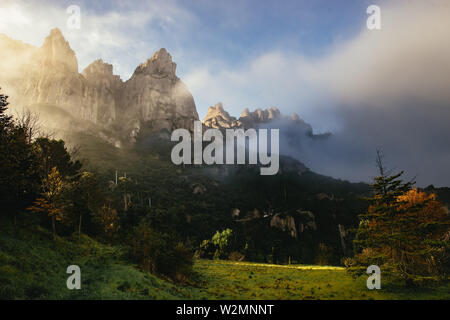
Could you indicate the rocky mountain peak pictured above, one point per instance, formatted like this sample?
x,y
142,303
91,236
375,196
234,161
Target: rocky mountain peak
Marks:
x,y
245,113
292,125
218,118
160,65
57,54
252,119
153,99
101,73
99,67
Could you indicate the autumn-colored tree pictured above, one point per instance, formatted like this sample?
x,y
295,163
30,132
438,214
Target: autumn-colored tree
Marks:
x,y
426,224
108,219
403,231
48,204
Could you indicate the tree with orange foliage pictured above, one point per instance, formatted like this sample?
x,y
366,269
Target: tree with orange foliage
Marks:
x,y
425,223
404,231
52,187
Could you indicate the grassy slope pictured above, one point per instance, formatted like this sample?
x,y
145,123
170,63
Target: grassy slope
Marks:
x,y
34,266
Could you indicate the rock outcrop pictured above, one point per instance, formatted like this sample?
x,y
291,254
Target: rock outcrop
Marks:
x,y
218,118
52,78
154,98
285,223
295,224
259,116
104,91
56,54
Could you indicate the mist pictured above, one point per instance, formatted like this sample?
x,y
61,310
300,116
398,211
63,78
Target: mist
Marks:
x,y
386,89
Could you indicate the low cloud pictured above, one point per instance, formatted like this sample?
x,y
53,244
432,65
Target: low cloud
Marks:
x,y
385,89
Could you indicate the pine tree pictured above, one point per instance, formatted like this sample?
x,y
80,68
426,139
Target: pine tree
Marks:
x,y
5,120
18,166
402,231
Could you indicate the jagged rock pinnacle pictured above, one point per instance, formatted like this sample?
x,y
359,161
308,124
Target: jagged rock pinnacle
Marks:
x,y
218,118
152,99
57,54
159,65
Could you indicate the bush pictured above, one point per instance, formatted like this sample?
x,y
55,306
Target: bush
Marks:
x,y
206,250
160,253
219,247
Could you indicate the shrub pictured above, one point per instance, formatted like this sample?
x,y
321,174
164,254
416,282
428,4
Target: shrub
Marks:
x,y
160,253
219,247
206,250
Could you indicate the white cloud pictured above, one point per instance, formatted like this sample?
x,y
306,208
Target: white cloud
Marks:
x,y
387,88
410,56
126,33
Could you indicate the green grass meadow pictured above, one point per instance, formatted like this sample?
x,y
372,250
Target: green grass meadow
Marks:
x,y
244,280
32,266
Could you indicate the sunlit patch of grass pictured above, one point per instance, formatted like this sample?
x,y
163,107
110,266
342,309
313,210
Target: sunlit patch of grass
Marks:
x,y
291,266
245,280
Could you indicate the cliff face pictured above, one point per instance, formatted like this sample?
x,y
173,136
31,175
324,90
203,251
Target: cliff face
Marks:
x,y
104,88
154,98
52,78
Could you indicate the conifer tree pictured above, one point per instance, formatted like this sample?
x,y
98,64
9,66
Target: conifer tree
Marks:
x,y
403,231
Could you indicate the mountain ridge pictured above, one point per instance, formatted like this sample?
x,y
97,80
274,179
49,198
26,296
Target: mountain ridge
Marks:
x,y
153,98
